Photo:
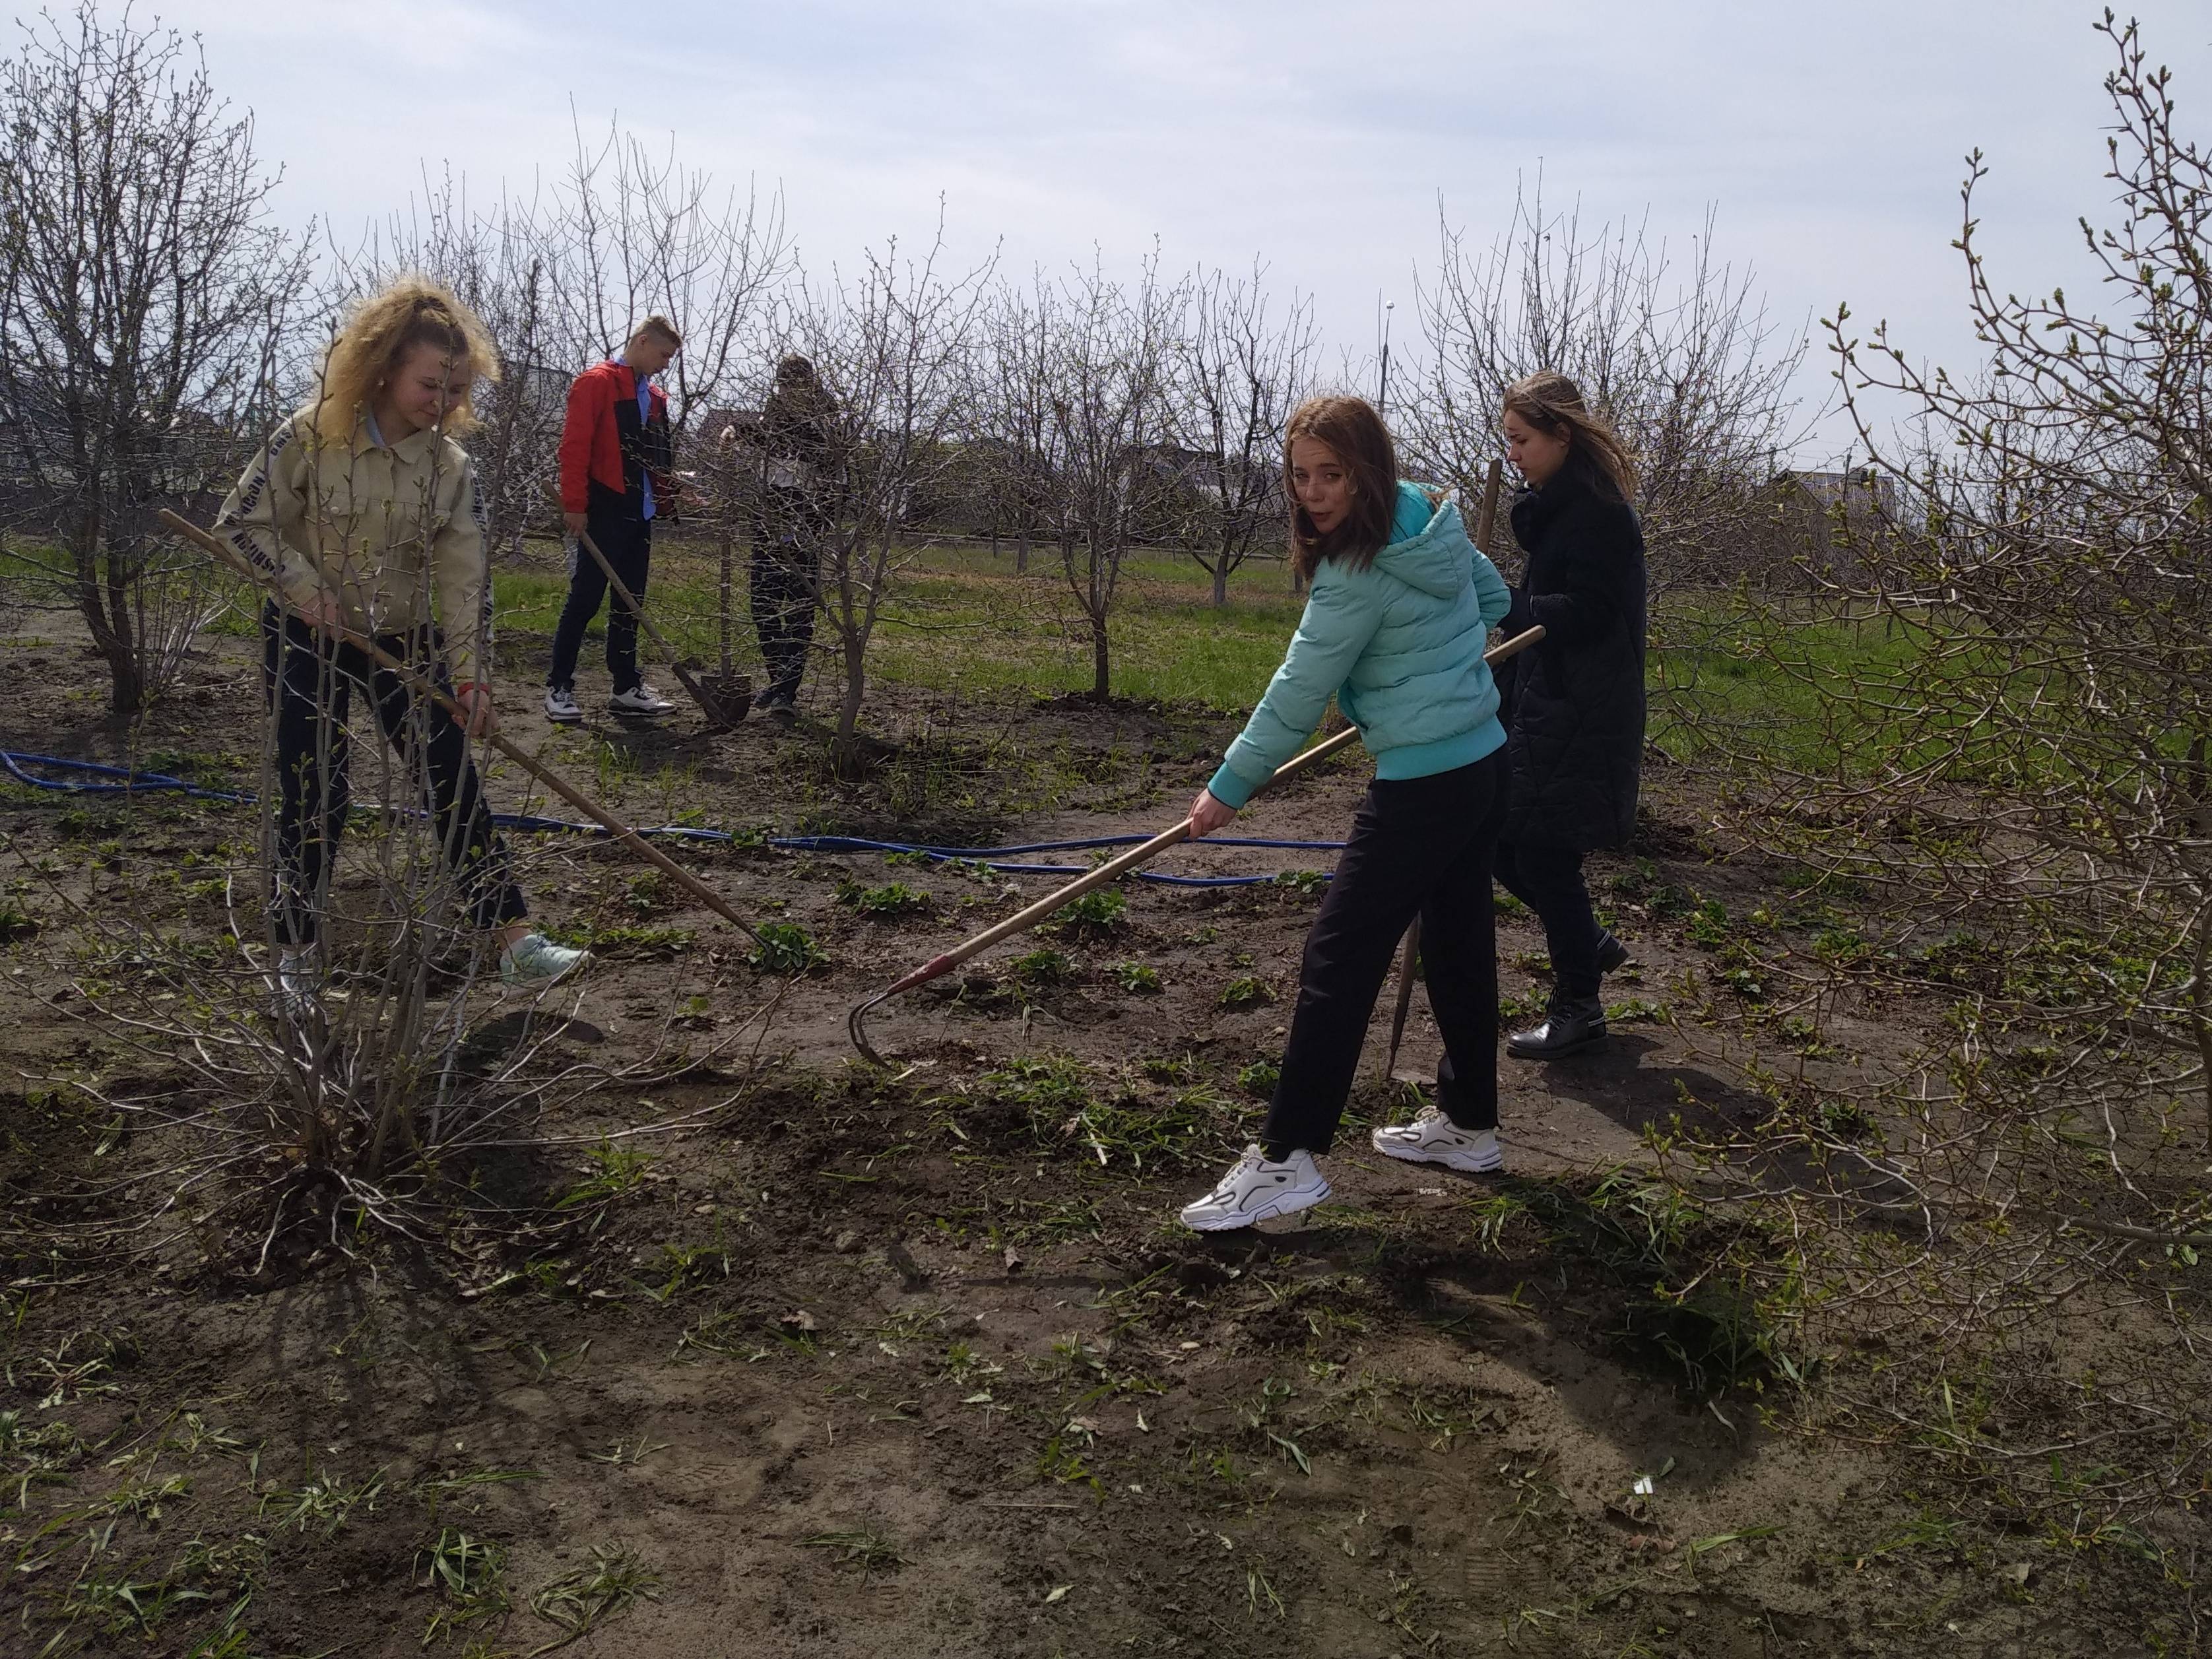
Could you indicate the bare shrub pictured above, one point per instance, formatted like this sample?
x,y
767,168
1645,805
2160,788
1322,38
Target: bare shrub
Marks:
x,y
145,301
895,346
2001,762
1683,360
1238,372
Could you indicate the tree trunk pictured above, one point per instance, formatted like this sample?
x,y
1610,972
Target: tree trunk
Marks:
x,y
725,599
1221,582
2200,1009
126,695
845,747
1099,662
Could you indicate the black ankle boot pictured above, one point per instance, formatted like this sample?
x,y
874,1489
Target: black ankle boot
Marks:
x,y
1567,1026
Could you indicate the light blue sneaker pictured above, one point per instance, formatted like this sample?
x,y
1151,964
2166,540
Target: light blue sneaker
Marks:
x,y
535,963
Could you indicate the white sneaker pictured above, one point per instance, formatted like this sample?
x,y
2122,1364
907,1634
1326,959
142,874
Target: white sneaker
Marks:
x,y
535,963
561,706
1256,1190
1432,1138
641,699
296,983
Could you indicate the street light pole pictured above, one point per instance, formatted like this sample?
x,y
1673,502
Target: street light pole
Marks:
x,y
1382,385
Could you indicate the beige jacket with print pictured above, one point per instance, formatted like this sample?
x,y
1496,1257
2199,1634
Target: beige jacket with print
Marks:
x,y
396,529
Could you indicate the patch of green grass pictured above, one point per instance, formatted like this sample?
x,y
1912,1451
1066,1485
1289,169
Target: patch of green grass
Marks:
x,y
581,1600
467,1575
323,1503
616,1171
621,940
869,1550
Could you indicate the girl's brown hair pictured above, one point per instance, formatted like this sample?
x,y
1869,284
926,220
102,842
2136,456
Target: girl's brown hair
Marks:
x,y
1553,403
1356,435
378,333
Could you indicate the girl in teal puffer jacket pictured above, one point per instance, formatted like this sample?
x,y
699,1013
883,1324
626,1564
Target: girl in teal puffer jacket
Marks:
x,y
1402,604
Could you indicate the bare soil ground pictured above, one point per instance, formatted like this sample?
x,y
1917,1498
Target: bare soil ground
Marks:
x,y
920,1361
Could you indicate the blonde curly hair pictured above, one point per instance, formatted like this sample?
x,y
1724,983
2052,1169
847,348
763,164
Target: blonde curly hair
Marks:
x,y
380,331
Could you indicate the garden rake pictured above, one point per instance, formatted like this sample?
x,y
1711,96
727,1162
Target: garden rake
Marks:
x,y
1029,915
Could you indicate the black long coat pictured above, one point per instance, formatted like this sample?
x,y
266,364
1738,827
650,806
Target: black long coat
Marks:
x,y
1574,709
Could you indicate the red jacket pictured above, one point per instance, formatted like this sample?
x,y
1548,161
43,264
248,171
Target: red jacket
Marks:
x,y
594,470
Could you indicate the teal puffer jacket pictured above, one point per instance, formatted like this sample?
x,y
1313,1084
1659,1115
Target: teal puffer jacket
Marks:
x,y
1400,644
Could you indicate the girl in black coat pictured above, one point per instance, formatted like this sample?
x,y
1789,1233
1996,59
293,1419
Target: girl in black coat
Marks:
x,y
1575,705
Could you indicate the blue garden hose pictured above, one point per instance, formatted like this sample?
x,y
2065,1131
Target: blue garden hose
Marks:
x,y
127,781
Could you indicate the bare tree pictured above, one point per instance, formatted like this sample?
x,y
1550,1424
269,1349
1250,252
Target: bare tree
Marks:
x,y
1686,363
2011,757
1239,373
1113,350
894,347
1014,416
633,234
145,301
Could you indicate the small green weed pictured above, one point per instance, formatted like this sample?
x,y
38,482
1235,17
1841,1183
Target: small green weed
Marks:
x,y
894,899
1248,992
870,1551
1138,978
786,950
468,1576
581,1600
1041,967
325,1502
615,1170
1096,912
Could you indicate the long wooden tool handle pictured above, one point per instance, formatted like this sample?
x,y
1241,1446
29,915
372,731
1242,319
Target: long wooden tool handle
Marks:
x,y
1488,521
1029,916
422,683
622,592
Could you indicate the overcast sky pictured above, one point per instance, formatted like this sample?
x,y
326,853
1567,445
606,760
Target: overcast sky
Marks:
x,y
1828,139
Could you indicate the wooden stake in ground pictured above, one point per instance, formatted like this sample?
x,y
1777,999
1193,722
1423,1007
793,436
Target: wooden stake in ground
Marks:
x,y
1409,954
423,685
1029,915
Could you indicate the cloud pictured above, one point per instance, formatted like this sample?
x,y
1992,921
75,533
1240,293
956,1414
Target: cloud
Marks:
x,y
1318,136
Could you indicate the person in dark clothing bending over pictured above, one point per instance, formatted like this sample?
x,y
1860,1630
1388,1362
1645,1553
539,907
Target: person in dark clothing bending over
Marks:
x,y
798,438
616,478
1574,704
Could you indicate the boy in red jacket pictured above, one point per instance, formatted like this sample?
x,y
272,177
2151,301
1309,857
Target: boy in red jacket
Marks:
x,y
615,464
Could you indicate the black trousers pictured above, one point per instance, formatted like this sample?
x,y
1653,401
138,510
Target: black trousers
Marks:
x,y
628,543
1549,881
1419,847
785,568
309,682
